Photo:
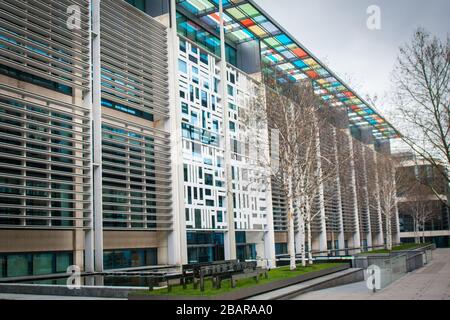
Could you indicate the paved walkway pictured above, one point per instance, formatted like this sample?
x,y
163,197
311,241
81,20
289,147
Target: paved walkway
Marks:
x,y
291,290
431,282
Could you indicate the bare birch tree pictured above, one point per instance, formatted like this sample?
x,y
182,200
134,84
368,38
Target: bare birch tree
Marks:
x,y
420,206
422,81
421,211
293,114
285,115
391,183
274,109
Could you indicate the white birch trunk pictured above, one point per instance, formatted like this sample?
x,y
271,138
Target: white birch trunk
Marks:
x,y
291,244
302,238
388,232
310,261
308,215
416,231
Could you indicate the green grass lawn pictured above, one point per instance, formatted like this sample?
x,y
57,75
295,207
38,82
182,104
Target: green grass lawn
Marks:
x,y
274,275
405,246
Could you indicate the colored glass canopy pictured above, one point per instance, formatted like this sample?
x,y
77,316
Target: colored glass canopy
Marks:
x,y
245,21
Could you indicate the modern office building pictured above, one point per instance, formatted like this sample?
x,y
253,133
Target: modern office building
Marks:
x,y
113,122
422,213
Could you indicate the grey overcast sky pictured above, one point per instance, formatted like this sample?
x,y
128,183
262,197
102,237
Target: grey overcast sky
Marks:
x,y
336,32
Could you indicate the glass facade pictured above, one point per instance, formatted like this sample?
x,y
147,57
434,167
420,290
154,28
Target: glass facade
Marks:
x,y
41,162
33,264
132,169
281,248
203,38
244,250
283,57
140,4
205,246
130,258
27,77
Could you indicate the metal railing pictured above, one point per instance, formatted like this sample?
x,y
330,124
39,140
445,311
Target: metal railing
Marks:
x,y
392,266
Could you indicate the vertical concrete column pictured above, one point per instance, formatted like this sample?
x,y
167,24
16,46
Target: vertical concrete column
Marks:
x,y
380,237
341,236
323,225
87,103
177,243
356,234
269,234
97,137
366,198
230,234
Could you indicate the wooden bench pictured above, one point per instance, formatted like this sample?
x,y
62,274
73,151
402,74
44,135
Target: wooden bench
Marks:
x,y
231,270
156,279
216,273
191,272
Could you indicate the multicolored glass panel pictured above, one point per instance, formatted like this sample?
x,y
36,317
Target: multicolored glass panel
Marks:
x,y
244,21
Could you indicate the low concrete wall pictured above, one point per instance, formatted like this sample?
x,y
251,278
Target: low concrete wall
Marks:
x,y
54,290
415,258
414,262
356,276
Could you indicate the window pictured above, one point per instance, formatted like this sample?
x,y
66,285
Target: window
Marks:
x,y
281,248
230,91
196,150
29,264
63,261
246,252
209,179
184,108
194,119
129,110
205,246
198,219
130,258
140,4
26,77
2,267
232,78
193,59
204,99
232,127
18,265
203,57
43,263
186,175
216,126
200,36
231,55
182,45
182,66
189,191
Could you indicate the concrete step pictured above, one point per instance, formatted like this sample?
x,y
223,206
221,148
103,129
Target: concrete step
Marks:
x,y
335,279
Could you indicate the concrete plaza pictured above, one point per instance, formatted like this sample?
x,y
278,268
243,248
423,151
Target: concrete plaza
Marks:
x,y
432,282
